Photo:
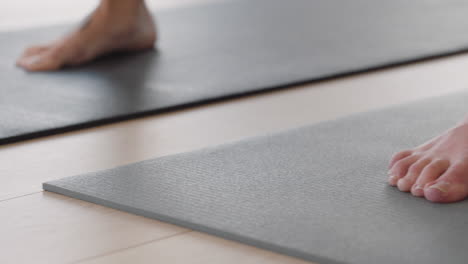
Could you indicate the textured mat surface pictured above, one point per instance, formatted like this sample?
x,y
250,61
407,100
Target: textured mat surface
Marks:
x,y
318,192
223,50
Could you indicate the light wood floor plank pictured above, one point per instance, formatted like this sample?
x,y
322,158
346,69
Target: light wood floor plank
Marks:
x,y
194,248
50,228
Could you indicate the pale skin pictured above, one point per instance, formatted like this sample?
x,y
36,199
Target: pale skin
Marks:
x,y
115,26
436,170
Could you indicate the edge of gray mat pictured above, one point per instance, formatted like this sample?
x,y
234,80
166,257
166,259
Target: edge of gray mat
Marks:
x,y
196,227
424,100
139,114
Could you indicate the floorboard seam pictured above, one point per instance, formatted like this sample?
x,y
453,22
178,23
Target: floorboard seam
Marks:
x,y
129,247
16,197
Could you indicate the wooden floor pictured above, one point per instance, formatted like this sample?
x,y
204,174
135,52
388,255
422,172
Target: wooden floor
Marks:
x,y
41,227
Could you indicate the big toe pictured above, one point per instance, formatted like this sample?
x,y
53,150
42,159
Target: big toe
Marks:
x,y
452,186
446,192
40,62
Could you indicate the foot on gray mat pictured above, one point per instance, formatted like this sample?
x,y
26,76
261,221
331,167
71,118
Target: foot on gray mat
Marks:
x,y
114,26
222,50
437,169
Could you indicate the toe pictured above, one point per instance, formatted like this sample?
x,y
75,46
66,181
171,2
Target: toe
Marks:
x,y
430,173
452,186
41,62
34,50
404,184
446,192
398,156
401,168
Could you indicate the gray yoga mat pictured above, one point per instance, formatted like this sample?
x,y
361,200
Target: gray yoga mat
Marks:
x,y
318,192
222,50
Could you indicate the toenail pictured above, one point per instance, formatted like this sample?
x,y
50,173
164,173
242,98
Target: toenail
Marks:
x,y
418,187
32,60
441,186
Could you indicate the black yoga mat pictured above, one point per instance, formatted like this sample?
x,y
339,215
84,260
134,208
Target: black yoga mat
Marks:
x,y
318,193
223,50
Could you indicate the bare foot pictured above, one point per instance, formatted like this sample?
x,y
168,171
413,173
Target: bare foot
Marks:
x,y
124,25
436,170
